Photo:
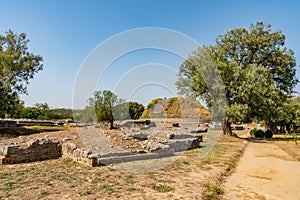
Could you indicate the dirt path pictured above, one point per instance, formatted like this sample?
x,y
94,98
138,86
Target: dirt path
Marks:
x,y
264,172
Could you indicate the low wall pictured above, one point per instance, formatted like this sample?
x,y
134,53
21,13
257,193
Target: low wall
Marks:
x,y
35,150
8,123
80,155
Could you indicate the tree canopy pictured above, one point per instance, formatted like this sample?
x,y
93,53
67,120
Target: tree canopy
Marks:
x,y
257,70
103,103
17,66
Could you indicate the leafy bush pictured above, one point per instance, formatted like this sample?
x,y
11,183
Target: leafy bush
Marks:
x,y
268,134
253,131
259,134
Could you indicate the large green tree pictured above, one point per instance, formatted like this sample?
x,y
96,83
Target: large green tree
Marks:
x,y
103,103
17,66
257,70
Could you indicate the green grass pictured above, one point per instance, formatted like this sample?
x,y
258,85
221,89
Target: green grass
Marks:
x,y
85,193
129,179
163,188
108,188
185,162
44,193
5,175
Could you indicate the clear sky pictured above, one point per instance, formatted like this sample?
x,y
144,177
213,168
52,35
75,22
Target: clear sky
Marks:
x,y
64,32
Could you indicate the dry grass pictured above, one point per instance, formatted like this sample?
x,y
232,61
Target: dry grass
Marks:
x,y
290,147
187,178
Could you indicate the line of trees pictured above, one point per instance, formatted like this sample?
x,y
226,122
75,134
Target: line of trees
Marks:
x,y
41,111
105,106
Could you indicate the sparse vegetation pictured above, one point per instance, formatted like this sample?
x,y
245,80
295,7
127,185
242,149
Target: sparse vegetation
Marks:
x,y
163,188
212,191
55,178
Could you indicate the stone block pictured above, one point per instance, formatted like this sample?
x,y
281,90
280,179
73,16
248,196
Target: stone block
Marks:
x,y
8,150
68,147
33,143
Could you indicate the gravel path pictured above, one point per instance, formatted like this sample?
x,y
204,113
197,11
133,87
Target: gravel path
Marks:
x,y
95,140
264,172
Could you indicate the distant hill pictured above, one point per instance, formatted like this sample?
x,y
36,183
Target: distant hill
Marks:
x,y
175,107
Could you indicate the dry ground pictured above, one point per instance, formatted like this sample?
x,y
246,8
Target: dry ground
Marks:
x,y
189,177
269,169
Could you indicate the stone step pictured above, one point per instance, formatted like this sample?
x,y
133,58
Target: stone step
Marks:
x,y
134,157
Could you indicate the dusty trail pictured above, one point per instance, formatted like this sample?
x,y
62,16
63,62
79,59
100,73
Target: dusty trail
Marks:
x,y
264,172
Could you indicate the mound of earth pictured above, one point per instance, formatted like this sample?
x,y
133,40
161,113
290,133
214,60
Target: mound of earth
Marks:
x,y
176,107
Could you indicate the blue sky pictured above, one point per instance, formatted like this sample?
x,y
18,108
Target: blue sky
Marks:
x,y
64,32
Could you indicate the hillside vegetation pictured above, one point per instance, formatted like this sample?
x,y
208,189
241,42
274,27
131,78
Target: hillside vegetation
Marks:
x,y
175,107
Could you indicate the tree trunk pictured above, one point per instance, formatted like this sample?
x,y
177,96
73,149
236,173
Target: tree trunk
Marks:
x,y
111,124
272,127
227,128
282,128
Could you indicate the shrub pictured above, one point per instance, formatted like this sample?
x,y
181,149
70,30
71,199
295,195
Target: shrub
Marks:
x,y
259,134
268,134
253,131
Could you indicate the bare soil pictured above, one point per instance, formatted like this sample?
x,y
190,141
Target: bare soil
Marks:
x,y
266,172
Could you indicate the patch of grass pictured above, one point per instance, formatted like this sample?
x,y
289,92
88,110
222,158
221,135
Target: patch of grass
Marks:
x,y
151,175
211,191
44,193
129,179
5,175
163,188
188,170
85,193
18,194
108,188
48,182
131,189
9,186
204,167
185,162
67,160
197,150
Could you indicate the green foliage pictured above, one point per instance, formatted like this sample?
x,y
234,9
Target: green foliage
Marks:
x,y
257,69
150,106
163,188
86,115
42,111
253,131
135,110
103,103
17,67
130,110
268,133
295,138
259,134
31,113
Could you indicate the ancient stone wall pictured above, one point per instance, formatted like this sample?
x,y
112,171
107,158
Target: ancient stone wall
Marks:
x,y
80,155
35,150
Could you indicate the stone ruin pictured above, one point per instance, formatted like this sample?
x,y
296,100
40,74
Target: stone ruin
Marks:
x,y
160,144
35,150
164,143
